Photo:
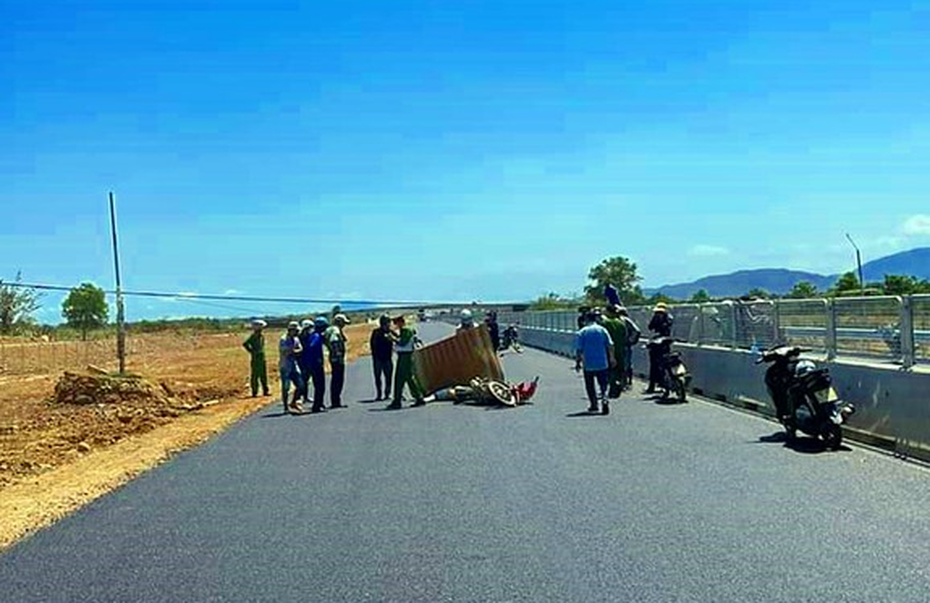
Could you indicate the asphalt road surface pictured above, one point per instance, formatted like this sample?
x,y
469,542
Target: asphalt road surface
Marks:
x,y
462,503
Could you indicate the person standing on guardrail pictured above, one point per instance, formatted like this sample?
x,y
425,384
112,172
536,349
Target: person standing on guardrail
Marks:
x,y
632,338
406,343
594,351
336,344
255,346
382,356
661,325
289,349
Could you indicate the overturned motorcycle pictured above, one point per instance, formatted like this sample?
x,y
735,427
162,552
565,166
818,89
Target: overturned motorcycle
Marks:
x,y
482,391
804,397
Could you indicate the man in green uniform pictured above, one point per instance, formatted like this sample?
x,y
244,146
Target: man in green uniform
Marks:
x,y
615,325
255,346
406,343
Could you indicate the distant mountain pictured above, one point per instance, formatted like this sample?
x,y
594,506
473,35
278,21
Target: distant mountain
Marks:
x,y
915,262
774,280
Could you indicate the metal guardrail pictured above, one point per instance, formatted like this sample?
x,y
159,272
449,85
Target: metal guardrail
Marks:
x,y
893,329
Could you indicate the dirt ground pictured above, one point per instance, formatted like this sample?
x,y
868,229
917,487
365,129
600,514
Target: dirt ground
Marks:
x,y
55,457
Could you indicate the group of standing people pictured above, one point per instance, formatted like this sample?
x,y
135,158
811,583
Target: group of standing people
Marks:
x,y
301,361
394,336
604,350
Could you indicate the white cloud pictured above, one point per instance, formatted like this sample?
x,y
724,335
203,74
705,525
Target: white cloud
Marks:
x,y
232,292
708,251
917,225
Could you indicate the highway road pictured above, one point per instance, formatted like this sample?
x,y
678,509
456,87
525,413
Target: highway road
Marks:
x,y
653,503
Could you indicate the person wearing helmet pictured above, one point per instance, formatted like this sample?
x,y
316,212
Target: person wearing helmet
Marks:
x,y
660,324
289,350
316,359
382,356
255,346
466,321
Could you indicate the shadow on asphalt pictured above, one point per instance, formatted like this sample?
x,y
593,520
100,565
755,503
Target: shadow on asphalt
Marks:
x,y
801,445
584,413
370,401
274,415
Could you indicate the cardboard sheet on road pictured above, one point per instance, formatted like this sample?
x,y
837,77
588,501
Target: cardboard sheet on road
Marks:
x,y
457,360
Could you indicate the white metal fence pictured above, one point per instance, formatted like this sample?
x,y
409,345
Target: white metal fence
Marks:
x,y
893,329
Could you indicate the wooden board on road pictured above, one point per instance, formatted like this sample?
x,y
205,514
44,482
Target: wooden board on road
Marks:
x,y
457,360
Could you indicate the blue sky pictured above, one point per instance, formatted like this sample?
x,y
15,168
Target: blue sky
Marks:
x,y
455,150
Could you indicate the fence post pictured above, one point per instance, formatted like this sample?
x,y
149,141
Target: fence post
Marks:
x,y
776,320
906,331
700,336
734,318
830,336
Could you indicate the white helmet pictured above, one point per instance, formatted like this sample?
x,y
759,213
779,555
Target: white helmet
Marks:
x,y
804,367
465,316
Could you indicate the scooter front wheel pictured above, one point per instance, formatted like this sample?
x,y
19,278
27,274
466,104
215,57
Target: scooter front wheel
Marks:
x,y
833,436
680,392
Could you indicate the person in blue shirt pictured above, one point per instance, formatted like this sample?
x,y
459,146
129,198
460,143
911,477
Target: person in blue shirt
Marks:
x,y
594,351
315,362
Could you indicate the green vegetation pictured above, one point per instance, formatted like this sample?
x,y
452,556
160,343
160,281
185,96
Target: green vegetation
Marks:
x,y
17,305
619,272
85,308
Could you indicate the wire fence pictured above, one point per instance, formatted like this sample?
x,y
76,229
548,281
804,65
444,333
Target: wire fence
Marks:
x,y
24,356
893,329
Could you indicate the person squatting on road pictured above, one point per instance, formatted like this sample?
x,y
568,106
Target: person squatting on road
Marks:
x,y
594,350
661,325
255,346
335,340
617,329
316,362
466,321
632,338
406,343
289,349
382,356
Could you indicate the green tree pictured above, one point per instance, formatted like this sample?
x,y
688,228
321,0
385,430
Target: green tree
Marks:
x,y
619,272
17,305
700,297
847,282
803,290
900,285
85,308
552,301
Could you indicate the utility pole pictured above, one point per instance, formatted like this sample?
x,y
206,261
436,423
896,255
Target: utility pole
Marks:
x,y
858,263
120,307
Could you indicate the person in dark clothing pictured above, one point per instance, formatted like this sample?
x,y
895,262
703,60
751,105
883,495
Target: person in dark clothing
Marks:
x,y
382,353
661,325
335,340
304,360
316,362
582,313
494,330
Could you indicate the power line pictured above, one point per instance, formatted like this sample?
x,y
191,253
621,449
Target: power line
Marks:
x,y
246,298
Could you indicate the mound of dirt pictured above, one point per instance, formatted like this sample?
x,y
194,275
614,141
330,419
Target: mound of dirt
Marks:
x,y
83,389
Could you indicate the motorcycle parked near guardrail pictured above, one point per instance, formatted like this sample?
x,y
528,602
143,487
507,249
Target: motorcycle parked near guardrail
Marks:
x,y
804,397
510,339
675,376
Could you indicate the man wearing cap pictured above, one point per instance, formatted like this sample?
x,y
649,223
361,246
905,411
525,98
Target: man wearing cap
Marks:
x,y
255,346
594,351
617,329
316,358
382,356
406,344
661,325
289,350
632,338
335,340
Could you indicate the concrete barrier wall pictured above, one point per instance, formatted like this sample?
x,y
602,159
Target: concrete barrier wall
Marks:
x,y
893,405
